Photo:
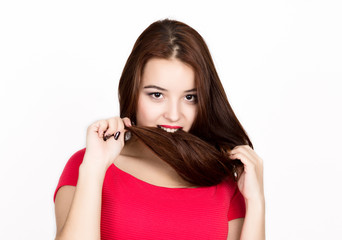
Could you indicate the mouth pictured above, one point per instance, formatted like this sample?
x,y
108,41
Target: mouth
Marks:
x,y
170,129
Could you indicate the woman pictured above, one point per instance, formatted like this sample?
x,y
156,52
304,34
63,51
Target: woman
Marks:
x,y
187,172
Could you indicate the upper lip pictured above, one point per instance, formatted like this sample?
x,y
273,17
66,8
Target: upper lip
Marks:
x,y
171,127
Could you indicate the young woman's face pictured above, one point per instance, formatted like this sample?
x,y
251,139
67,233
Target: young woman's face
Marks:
x,y
167,95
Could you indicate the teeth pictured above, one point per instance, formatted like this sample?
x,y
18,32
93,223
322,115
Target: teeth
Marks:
x,y
169,129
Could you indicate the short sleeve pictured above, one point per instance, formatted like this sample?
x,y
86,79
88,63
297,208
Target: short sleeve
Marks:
x,y
237,207
70,173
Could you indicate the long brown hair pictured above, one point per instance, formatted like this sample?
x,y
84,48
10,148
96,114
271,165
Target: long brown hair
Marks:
x,y
199,156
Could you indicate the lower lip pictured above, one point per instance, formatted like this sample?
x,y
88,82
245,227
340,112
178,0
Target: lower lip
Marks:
x,y
170,127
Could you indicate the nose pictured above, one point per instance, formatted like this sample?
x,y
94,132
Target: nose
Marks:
x,y
172,111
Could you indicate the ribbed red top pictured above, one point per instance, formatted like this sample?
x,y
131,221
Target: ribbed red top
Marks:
x,y
134,209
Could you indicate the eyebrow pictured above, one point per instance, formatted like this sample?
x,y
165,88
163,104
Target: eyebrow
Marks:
x,y
163,89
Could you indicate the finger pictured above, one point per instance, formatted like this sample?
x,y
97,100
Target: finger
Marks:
x,y
117,137
241,148
120,125
112,127
246,161
127,134
127,122
246,151
103,126
116,126
93,128
236,155
106,137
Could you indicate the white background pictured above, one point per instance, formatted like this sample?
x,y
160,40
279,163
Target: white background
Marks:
x,y
280,63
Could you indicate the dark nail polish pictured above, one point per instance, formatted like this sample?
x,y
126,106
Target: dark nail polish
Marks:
x,y
106,137
116,135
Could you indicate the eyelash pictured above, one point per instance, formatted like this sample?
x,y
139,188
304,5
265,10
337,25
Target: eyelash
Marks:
x,y
193,100
153,95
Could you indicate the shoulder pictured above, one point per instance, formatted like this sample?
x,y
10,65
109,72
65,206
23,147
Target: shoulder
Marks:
x,y
77,157
230,186
75,160
237,207
69,175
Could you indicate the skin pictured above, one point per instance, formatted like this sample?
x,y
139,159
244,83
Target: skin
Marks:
x,y
167,96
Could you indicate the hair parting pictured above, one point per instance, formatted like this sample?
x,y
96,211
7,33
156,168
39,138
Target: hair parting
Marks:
x,y
201,155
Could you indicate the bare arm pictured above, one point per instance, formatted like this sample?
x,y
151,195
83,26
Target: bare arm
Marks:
x,y
235,227
251,186
250,227
254,224
63,201
78,209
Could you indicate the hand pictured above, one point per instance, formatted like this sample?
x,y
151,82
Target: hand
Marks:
x,y
250,182
101,147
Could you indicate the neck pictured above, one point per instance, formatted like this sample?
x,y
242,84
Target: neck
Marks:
x,y
135,148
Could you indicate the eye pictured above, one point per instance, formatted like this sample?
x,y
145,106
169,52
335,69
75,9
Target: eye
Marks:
x,y
191,97
156,95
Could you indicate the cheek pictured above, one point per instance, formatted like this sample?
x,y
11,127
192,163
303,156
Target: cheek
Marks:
x,y
147,113
191,112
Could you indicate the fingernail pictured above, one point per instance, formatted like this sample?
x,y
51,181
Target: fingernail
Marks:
x,y
116,135
105,137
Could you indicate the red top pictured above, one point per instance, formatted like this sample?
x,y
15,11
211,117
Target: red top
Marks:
x,y
134,209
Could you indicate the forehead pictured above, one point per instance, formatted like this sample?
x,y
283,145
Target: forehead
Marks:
x,y
168,73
